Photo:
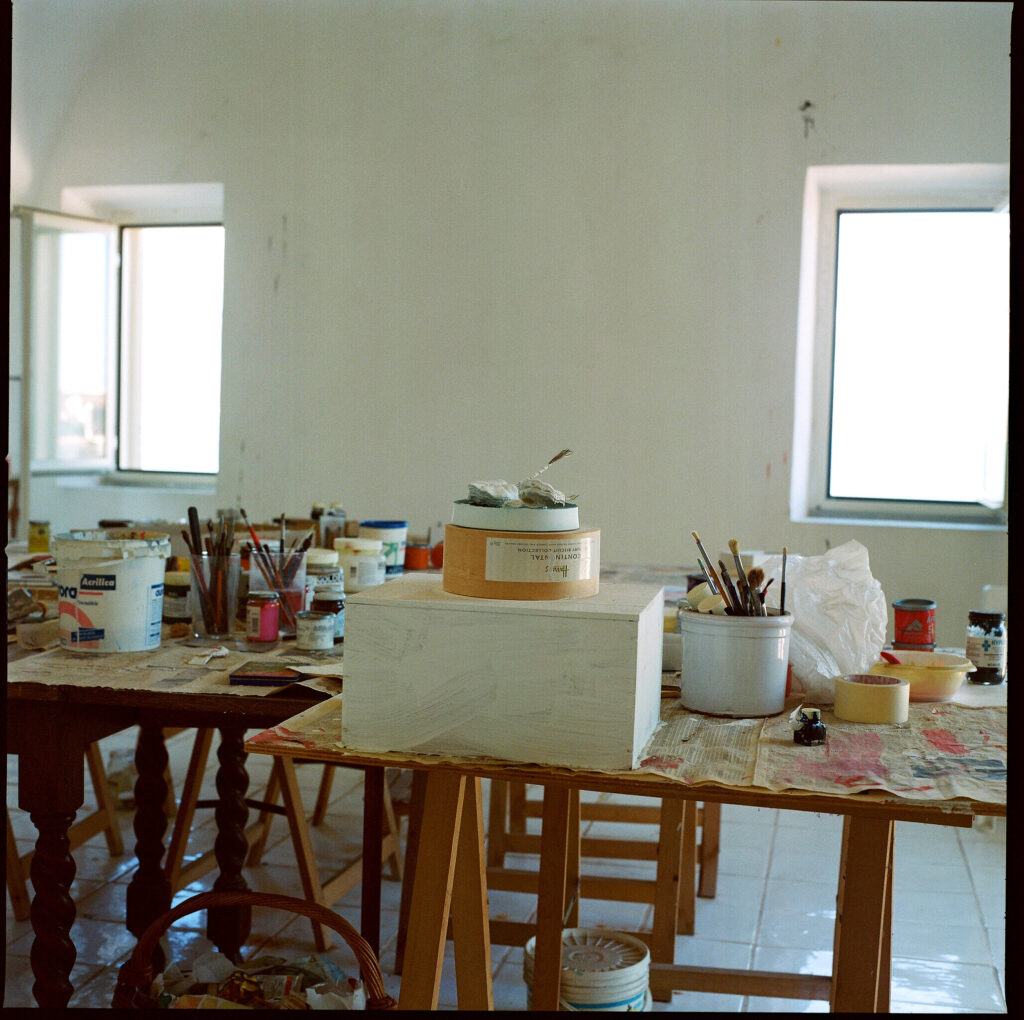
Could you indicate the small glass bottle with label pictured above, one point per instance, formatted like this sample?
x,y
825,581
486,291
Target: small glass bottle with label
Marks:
x,y
329,600
986,647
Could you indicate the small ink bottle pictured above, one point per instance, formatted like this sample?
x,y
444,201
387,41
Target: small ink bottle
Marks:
x,y
808,729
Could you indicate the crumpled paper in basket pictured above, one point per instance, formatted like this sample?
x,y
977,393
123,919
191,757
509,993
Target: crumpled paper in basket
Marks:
x,y
840,615
212,981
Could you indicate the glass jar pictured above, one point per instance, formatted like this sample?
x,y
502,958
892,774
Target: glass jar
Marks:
x,y
38,536
262,615
322,567
986,647
177,588
329,600
332,526
362,562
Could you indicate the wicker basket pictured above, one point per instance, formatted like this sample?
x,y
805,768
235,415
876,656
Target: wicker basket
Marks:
x,y
135,979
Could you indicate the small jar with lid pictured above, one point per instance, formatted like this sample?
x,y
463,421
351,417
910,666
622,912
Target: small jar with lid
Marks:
x,y
322,567
177,592
986,647
262,615
362,562
329,600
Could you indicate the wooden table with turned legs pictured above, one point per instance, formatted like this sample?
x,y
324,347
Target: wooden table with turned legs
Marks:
x,y
49,726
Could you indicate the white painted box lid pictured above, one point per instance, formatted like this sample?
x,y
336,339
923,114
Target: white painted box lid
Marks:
x,y
618,601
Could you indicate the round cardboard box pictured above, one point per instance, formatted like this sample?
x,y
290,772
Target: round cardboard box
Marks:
x,y
521,565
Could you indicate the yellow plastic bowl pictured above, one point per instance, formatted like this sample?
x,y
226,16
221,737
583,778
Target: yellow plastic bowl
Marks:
x,y
933,676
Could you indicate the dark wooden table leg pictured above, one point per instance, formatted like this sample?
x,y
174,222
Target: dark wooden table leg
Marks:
x,y
50,742
149,893
53,910
228,927
373,822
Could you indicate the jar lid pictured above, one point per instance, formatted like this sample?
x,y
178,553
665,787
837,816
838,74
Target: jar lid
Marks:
x,y
264,595
987,615
328,589
179,577
322,558
359,544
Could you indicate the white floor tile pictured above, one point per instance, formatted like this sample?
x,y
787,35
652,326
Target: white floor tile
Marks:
x,y
936,984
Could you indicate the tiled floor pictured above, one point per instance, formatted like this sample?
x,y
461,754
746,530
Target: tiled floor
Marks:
x,y
774,908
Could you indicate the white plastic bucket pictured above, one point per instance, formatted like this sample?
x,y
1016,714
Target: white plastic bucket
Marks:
x,y
111,589
734,665
601,970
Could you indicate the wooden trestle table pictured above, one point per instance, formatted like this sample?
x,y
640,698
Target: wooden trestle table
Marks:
x,y
450,870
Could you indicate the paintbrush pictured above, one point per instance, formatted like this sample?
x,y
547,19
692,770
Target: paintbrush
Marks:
x,y
782,584
707,576
741,580
558,456
755,578
715,579
732,599
295,556
193,525
197,569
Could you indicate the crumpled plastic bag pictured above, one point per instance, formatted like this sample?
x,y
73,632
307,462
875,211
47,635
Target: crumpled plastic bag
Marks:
x,y
840,615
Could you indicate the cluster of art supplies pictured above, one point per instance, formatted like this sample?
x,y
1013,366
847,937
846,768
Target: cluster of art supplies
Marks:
x,y
720,595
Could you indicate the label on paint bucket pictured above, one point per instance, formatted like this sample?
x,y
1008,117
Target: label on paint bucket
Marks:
x,y
110,590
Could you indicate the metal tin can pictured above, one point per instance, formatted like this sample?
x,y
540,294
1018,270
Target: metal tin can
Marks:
x,y
262,615
314,631
914,624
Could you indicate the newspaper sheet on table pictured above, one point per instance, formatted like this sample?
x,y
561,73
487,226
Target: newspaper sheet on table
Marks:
x,y
947,750
173,666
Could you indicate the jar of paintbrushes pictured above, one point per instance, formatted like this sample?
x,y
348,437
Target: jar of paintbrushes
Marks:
x,y
214,571
274,565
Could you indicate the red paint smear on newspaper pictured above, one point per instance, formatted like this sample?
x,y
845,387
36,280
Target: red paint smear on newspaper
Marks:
x,y
943,740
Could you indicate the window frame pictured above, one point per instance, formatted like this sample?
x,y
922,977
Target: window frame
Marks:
x,y
828,191
32,220
115,206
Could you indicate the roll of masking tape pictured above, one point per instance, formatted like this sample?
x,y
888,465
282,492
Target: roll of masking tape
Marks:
x,y
867,698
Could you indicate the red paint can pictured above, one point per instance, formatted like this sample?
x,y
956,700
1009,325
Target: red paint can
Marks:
x,y
914,621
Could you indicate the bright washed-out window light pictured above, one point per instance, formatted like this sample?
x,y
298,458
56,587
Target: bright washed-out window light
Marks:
x,y
172,306
920,378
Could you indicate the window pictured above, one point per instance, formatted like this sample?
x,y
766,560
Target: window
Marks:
x,y
903,348
172,294
122,333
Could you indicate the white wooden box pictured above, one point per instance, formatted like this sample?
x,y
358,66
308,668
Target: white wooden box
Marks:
x,y
573,682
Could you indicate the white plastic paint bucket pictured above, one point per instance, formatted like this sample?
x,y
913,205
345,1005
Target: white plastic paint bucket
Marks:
x,y
602,970
111,589
734,665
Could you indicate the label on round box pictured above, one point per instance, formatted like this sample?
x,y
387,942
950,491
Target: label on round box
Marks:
x,y
524,559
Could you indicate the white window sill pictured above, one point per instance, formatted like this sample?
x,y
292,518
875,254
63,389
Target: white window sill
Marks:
x,y
898,522
150,481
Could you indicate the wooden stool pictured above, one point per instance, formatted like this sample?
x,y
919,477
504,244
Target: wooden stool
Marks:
x,y
283,781
506,833
103,819
685,868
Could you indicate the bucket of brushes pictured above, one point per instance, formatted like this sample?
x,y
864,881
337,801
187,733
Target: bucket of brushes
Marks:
x,y
735,654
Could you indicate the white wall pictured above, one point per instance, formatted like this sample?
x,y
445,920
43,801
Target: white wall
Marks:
x,y
462,235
